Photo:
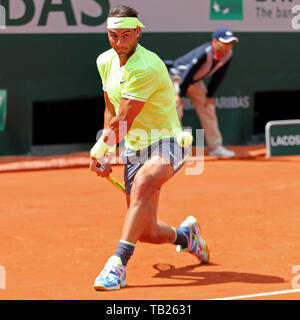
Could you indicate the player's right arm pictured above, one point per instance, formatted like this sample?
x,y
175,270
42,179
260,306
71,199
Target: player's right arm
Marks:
x,y
113,131
129,109
139,86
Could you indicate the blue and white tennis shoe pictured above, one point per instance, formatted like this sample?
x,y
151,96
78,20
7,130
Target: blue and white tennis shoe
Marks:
x,y
196,244
113,276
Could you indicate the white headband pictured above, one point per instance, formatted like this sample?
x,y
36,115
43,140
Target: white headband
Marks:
x,y
123,23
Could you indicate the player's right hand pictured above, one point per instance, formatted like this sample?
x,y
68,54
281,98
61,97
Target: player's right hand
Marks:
x,y
101,167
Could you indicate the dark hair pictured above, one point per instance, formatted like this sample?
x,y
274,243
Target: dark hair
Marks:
x,y
122,11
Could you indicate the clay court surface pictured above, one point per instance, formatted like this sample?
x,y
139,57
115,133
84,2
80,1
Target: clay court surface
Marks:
x,y
59,226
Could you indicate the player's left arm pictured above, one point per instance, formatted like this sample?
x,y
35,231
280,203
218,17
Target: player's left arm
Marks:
x,y
102,167
109,112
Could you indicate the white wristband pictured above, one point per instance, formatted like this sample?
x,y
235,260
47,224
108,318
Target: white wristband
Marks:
x,y
112,149
99,149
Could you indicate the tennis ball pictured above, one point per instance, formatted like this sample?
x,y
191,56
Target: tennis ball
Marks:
x,y
184,138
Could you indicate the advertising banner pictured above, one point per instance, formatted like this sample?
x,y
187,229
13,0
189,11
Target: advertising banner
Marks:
x,y
283,137
89,16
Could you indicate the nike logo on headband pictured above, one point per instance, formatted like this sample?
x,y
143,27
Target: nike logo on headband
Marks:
x,y
117,22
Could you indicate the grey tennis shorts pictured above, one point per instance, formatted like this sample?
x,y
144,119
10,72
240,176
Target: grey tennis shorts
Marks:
x,y
134,160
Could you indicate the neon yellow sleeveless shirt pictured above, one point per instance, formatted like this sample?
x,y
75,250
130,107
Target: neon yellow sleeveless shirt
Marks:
x,y
143,78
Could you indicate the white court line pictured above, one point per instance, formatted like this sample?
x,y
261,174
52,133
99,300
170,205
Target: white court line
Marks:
x,y
259,294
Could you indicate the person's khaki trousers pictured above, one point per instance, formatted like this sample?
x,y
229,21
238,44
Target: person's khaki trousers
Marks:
x,y
206,114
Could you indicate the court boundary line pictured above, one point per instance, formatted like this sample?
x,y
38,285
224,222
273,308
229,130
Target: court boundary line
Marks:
x,y
272,293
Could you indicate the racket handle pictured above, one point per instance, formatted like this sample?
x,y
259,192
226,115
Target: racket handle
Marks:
x,y
116,183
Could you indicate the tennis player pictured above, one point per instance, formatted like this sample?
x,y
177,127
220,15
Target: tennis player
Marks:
x,y
138,91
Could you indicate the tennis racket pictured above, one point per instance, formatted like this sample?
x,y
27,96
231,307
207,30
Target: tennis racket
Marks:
x,y
116,183
110,178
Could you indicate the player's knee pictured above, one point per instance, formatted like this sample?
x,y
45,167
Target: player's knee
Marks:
x,y
143,184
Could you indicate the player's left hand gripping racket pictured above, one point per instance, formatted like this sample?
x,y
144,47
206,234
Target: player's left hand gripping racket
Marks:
x,y
112,179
